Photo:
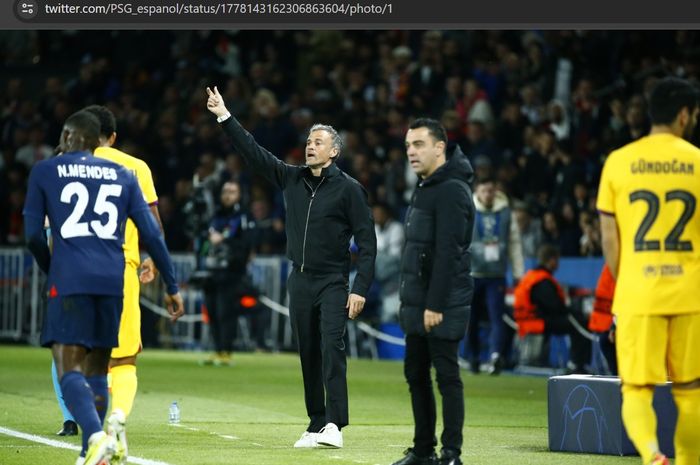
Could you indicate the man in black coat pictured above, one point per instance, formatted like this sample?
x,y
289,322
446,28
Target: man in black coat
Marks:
x,y
436,288
325,208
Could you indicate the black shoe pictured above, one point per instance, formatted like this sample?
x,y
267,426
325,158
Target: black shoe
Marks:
x,y
449,457
496,364
475,366
70,428
410,458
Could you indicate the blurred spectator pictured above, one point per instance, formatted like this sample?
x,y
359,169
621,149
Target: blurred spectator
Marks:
x,y
390,239
36,150
530,230
495,244
268,234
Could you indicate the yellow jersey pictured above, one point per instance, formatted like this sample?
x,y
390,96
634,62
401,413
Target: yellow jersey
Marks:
x,y
651,186
145,179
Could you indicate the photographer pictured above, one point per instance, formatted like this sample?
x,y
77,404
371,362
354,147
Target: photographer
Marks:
x,y
226,258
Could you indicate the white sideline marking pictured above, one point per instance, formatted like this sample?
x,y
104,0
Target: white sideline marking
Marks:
x,y
65,445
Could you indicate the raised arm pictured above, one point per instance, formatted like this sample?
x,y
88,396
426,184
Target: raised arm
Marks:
x,y
260,160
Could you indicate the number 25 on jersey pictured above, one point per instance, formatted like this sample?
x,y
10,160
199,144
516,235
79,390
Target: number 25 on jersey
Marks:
x,y
74,227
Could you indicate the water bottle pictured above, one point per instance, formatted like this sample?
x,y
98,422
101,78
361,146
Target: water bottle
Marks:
x,y
174,414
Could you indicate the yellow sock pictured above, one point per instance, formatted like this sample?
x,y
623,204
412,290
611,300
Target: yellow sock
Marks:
x,y
687,438
124,383
640,419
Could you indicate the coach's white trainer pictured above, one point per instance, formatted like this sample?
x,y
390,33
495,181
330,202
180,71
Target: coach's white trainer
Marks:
x,y
116,427
307,440
330,435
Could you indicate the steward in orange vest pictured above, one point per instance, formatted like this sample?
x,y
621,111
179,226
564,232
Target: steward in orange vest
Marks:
x,y
601,318
540,307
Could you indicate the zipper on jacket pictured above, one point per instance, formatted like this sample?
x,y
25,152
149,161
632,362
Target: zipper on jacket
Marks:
x,y
306,226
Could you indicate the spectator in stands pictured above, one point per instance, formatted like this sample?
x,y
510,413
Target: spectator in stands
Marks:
x,y
540,308
36,149
390,240
530,230
269,237
495,245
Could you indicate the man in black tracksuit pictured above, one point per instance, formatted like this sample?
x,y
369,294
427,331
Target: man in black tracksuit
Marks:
x,y
436,288
325,208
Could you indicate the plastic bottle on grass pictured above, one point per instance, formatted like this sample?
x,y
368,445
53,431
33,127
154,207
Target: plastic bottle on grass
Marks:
x,y
174,414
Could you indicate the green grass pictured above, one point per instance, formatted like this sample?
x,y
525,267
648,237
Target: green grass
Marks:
x,y
259,402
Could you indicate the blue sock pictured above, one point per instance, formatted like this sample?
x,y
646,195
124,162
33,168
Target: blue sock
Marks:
x,y
59,395
98,384
81,402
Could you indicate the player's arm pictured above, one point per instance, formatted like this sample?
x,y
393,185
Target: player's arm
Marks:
x,y
610,239
152,238
259,159
362,226
36,241
34,215
155,245
148,270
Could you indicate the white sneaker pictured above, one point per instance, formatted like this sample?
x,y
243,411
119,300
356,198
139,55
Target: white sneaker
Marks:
x,y
116,428
331,436
80,460
101,449
307,440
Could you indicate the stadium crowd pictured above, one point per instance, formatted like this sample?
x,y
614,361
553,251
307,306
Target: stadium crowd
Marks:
x,y
536,111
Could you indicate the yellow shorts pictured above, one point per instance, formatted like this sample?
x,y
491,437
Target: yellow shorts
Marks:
x,y
130,325
651,349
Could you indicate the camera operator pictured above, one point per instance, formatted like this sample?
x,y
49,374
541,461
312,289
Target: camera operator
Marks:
x,y
226,261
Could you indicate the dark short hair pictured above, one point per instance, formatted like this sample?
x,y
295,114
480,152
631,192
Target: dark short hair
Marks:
x,y
546,252
108,123
669,96
87,125
434,127
484,180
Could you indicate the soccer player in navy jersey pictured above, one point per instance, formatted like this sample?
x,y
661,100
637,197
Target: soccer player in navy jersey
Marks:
x,y
88,201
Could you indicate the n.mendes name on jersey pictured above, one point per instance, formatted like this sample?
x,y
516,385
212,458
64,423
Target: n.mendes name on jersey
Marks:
x,y
74,170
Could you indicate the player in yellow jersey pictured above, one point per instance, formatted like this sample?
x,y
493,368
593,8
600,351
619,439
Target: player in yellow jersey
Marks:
x,y
123,361
651,240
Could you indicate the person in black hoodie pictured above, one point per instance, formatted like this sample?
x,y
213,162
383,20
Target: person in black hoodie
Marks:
x,y
325,208
436,288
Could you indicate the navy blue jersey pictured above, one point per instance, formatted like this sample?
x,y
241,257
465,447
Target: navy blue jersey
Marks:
x,y
87,201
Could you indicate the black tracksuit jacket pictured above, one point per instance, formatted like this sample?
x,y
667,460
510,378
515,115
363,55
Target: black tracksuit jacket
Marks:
x,y
321,217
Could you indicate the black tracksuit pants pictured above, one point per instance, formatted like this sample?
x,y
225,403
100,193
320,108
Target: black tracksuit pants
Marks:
x,y
318,316
421,353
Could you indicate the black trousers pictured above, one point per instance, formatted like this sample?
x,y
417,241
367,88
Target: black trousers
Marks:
x,y
580,346
223,307
318,316
421,353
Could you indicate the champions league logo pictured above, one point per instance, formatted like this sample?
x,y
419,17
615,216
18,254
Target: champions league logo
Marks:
x,y
584,425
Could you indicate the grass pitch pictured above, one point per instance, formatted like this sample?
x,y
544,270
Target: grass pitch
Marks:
x,y
251,413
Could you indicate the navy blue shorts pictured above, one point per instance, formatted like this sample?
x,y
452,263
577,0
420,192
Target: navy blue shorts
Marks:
x,y
91,321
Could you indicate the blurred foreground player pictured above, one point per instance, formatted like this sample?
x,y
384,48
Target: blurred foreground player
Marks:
x,y
87,201
651,240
